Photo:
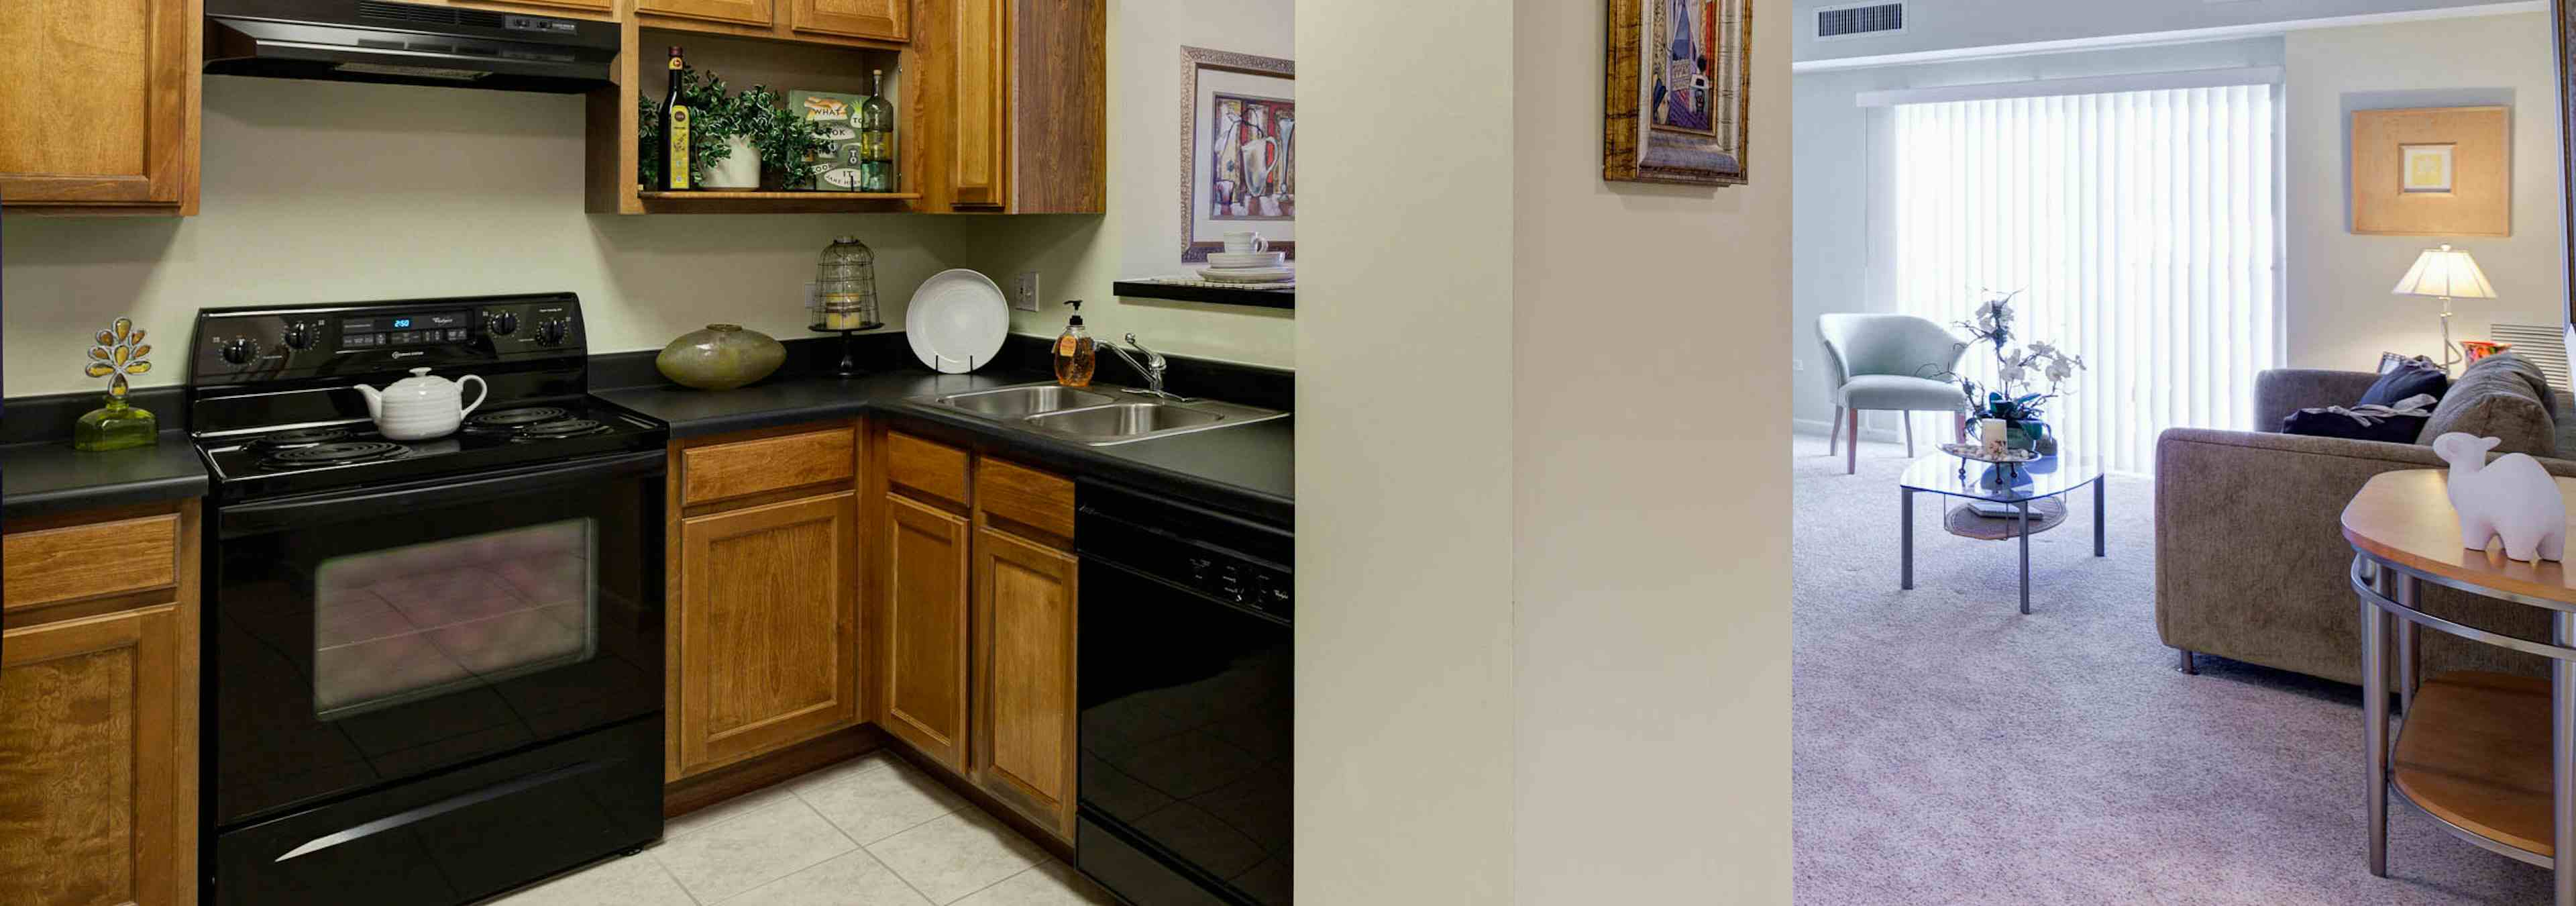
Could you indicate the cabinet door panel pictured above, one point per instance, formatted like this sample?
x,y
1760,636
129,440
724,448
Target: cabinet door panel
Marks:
x,y
981,105
853,18
768,628
1024,676
748,12
925,629
89,759
99,101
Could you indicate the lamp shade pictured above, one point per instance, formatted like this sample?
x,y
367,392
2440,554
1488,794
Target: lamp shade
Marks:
x,y
2448,272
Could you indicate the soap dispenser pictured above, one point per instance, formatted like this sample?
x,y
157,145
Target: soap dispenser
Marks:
x,y
1075,356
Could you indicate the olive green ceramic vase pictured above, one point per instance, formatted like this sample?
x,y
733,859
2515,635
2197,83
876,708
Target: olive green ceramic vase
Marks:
x,y
721,357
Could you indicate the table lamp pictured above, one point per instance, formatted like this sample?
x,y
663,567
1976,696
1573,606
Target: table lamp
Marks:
x,y
2446,273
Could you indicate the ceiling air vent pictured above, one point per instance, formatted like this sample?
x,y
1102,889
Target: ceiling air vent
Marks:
x,y
1859,20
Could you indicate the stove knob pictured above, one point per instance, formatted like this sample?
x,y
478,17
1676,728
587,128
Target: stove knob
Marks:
x,y
298,335
241,351
552,332
505,324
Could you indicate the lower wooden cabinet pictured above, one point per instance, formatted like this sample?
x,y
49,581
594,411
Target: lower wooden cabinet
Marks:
x,y
1024,675
98,721
925,617
768,629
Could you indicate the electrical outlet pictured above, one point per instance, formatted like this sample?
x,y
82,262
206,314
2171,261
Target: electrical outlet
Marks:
x,y
1797,364
1027,298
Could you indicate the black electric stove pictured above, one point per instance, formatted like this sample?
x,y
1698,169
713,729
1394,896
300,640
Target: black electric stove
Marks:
x,y
434,668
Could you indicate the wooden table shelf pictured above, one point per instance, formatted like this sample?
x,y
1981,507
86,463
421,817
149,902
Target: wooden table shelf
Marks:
x,y
713,201
2475,752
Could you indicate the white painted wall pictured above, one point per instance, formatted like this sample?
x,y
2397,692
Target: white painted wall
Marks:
x,y
1845,235
1951,25
1533,631
1079,256
1405,697
2341,314
1652,641
324,191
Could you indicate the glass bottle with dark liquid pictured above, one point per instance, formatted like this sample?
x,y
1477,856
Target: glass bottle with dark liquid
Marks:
x,y
676,172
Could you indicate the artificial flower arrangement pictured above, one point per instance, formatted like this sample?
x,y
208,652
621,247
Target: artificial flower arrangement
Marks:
x,y
2018,369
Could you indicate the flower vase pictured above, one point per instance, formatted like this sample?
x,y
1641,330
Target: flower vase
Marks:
x,y
2029,434
119,425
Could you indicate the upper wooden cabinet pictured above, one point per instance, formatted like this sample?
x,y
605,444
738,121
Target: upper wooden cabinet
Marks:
x,y
746,12
99,103
882,19
98,709
1016,102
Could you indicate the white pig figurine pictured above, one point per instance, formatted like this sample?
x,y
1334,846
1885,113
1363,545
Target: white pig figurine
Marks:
x,y
2512,496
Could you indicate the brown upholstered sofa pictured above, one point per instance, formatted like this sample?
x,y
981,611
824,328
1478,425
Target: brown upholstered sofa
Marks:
x,y
2251,563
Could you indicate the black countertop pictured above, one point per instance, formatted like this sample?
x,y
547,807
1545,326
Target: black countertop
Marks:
x,y
51,477
1250,469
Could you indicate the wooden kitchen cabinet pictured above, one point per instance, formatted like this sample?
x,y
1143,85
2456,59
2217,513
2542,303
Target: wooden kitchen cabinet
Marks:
x,y
745,12
100,105
763,627
925,614
98,712
1017,105
881,19
1023,689
768,628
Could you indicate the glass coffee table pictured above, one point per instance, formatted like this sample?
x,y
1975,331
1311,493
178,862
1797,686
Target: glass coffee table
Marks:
x,y
2033,492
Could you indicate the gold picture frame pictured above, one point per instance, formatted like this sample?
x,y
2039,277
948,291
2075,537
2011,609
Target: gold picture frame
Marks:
x,y
2432,171
1678,92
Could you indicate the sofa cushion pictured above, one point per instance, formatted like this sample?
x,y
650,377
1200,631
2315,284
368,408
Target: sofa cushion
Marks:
x,y
2502,396
1889,391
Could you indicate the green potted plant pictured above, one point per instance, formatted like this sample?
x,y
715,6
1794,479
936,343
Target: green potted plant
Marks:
x,y
788,144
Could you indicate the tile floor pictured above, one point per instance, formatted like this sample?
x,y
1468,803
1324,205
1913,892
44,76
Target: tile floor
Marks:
x,y
869,832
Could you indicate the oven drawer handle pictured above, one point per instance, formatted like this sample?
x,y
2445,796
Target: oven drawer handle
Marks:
x,y
443,806
256,518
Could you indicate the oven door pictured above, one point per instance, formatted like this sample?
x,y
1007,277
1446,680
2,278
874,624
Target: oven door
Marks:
x,y
358,638
1186,707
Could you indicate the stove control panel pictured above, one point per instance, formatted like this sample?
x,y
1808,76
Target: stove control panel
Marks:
x,y
236,345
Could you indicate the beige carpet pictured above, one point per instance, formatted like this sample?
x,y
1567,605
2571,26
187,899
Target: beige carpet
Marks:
x,y
1950,750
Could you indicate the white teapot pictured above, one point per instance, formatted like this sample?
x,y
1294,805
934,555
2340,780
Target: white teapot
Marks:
x,y
421,407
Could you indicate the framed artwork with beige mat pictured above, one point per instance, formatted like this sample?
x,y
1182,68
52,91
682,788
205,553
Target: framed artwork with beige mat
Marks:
x,y
2432,171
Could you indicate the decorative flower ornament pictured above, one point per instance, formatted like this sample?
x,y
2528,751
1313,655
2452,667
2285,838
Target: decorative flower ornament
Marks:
x,y
119,352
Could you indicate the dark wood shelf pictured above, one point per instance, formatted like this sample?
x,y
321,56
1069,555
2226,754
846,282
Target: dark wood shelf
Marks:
x,y
1259,298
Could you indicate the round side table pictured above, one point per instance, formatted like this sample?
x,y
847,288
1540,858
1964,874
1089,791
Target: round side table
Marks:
x,y
2475,745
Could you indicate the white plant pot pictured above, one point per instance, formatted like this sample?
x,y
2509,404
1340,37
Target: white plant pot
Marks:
x,y
739,170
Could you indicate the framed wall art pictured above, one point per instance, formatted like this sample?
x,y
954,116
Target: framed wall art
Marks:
x,y
1238,150
1678,91
2432,171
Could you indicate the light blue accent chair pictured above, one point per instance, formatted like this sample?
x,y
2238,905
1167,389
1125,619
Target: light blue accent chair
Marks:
x,y
1888,362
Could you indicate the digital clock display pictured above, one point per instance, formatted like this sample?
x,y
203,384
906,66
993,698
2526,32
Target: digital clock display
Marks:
x,y
402,323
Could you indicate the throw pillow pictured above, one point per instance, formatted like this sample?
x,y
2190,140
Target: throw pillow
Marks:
x,y
2500,396
2397,422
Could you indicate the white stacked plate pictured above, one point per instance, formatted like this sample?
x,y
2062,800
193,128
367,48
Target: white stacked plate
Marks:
x,y
1248,267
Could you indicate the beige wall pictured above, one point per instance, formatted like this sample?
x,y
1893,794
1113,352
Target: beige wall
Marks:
x,y
1652,640
2340,313
1079,256
1543,595
1404,452
320,191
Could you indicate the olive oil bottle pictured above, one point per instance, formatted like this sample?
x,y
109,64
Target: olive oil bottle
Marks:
x,y
677,174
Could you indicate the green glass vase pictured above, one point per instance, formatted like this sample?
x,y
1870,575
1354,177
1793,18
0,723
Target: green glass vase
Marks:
x,y
117,426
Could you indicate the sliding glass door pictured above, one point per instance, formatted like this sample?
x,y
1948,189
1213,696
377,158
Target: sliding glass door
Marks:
x,y
2140,228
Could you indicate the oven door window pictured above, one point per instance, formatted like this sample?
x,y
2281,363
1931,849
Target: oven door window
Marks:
x,y
421,620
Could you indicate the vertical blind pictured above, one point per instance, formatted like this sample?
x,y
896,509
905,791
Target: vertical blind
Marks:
x,y
2140,228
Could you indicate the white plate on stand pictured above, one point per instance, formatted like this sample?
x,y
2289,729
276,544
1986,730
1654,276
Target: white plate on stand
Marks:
x,y
956,321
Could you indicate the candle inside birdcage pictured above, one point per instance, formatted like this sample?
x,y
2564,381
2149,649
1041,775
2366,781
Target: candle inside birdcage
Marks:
x,y
845,287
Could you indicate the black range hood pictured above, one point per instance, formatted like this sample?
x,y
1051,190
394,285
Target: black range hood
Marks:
x,y
407,44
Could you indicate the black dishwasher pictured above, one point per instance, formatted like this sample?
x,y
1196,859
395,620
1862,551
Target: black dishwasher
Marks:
x,y
1186,693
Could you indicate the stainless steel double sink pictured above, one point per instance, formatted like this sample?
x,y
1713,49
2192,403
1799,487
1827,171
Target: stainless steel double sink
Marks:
x,y
1100,416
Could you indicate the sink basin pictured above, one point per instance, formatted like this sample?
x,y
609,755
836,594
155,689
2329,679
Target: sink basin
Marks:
x,y
1098,417
1022,402
1123,420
